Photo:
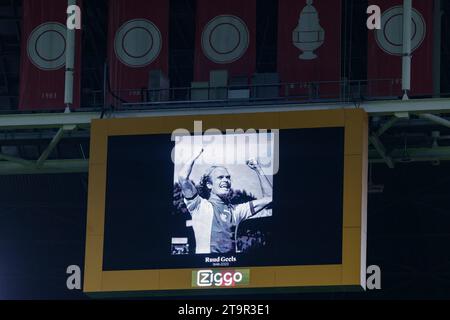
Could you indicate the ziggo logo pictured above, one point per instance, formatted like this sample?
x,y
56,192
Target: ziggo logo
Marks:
x,y
220,278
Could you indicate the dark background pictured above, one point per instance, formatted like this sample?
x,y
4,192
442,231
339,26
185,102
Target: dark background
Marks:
x,y
42,231
304,229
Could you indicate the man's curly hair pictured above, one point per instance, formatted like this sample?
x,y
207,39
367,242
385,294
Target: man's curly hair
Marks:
x,y
203,189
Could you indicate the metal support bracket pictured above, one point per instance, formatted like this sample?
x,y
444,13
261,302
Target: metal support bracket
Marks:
x,y
52,145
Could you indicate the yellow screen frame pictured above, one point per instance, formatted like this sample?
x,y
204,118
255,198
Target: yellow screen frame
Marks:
x,y
352,270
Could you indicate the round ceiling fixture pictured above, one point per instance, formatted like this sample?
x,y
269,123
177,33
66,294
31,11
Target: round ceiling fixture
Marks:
x,y
137,43
225,39
389,38
46,46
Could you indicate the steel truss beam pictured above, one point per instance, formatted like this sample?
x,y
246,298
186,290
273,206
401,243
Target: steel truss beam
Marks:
x,y
84,118
432,155
65,122
15,165
375,141
48,167
413,155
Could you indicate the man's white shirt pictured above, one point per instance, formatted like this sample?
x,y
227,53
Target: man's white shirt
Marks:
x,y
202,214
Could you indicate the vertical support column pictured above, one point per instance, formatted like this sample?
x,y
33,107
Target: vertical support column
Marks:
x,y
437,21
70,63
406,63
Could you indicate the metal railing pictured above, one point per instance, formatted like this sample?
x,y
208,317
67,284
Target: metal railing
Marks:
x,y
297,92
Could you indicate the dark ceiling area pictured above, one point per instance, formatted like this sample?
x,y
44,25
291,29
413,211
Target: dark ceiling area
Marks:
x,y
10,21
407,132
182,37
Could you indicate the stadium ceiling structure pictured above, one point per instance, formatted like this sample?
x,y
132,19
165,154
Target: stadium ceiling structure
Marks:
x,y
416,130
30,142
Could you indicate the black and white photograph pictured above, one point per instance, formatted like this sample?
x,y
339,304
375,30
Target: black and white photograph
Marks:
x,y
218,185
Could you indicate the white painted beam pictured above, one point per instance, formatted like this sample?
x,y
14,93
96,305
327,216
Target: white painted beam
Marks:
x,y
84,118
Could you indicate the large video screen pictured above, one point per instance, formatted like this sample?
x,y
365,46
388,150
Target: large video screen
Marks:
x,y
194,202
240,199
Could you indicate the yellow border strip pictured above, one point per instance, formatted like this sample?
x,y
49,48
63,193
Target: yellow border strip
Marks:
x,y
352,270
